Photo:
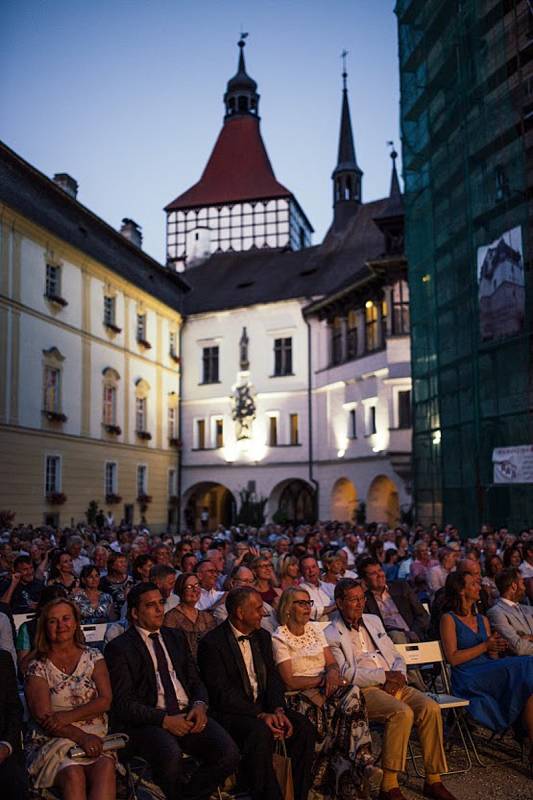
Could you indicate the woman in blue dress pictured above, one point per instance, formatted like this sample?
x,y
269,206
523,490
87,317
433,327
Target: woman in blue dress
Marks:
x,y
500,690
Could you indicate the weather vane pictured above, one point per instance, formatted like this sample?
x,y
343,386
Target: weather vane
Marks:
x,y
242,36
344,73
393,153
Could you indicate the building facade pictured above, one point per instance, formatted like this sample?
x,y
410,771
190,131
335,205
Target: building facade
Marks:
x,y
467,113
89,360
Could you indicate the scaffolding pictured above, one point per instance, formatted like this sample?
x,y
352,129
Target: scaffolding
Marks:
x,y
466,70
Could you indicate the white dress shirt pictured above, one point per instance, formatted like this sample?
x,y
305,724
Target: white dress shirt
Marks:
x,y
181,694
208,598
321,597
367,655
246,650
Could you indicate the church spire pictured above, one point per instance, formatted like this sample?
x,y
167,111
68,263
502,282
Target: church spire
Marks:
x,y
347,176
241,97
395,190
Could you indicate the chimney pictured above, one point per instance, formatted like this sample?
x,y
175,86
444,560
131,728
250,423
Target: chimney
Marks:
x,y
67,183
132,232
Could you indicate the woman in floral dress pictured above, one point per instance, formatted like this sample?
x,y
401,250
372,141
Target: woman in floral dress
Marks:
x,y
68,693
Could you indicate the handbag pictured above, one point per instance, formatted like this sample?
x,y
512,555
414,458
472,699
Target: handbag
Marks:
x,y
283,769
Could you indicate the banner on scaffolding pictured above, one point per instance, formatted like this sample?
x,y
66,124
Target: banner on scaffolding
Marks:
x,y
501,286
513,464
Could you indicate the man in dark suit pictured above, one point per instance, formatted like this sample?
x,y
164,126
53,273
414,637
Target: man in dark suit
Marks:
x,y
396,604
12,773
161,703
246,697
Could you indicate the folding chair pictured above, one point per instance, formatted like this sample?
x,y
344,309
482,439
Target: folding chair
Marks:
x,y
20,619
94,634
418,654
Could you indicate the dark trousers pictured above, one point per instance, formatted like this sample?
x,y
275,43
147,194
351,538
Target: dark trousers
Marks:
x,y
257,746
213,748
13,778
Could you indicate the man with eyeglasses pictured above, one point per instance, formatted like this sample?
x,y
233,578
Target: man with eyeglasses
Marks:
x,y
239,577
207,574
367,657
316,589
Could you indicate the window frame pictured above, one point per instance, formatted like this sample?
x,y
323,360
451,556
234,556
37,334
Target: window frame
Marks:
x,y
294,440
58,475
283,356
210,364
114,478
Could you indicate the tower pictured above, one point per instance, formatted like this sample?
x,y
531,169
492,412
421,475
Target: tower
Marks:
x,y
347,176
237,204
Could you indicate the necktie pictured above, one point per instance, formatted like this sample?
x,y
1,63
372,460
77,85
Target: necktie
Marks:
x,y
171,701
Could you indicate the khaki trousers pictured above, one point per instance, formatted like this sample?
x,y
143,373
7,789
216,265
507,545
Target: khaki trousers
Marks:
x,y
398,713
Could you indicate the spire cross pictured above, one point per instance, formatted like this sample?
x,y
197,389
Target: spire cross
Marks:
x,y
344,73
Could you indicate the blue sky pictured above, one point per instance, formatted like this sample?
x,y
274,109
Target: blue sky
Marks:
x,y
126,95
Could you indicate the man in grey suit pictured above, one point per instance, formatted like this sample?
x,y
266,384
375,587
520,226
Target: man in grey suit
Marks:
x,y
508,616
367,657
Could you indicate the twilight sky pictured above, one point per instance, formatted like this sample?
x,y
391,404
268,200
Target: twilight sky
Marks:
x,y
126,95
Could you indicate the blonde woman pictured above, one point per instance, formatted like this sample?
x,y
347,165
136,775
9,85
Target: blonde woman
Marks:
x,y
68,693
289,571
343,764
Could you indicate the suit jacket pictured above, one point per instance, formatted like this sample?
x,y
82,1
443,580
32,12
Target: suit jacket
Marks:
x,y
133,677
407,603
512,623
340,642
10,705
224,673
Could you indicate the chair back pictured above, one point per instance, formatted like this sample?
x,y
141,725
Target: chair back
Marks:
x,y
417,653
20,619
94,632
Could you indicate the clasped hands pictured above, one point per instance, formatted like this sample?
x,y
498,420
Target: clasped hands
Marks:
x,y
279,724
394,681
496,644
194,721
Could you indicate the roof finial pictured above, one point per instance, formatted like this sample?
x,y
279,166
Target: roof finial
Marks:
x,y
395,183
242,37
393,153
344,73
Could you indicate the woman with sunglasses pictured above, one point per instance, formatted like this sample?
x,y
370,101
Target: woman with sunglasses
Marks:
x,y
343,765
186,616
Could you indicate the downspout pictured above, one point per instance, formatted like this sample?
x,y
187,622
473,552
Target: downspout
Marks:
x,y
180,429
310,417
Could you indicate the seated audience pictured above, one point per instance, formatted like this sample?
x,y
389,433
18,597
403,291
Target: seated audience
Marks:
x,y
493,565
499,689
141,568
289,571
526,567
94,605
164,577
508,616
264,580
367,657
419,570
74,549
396,604
391,564
343,757
161,703
318,592
333,571
21,591
466,566
68,694
117,582
185,616
25,641
437,575
246,696
62,571
207,575
188,563
12,773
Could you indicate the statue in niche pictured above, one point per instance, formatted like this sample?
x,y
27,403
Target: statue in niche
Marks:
x,y
244,363
243,412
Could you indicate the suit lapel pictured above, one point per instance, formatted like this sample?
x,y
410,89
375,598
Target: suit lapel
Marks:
x,y
239,661
146,658
174,653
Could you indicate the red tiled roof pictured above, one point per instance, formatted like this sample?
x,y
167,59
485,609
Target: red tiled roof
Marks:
x,y
238,169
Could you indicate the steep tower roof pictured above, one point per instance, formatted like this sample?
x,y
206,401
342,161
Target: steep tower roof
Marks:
x,y
347,176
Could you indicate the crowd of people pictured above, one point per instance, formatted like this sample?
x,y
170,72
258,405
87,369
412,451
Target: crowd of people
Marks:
x,y
222,645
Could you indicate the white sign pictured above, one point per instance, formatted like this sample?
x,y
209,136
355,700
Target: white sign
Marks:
x,y
513,464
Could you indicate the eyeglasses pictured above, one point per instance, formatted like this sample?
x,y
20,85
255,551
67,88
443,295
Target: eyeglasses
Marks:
x,y
308,603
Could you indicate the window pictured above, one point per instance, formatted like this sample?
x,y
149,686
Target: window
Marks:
x,y
293,426
371,420
352,424
53,281
400,308
142,480
53,475
52,390
172,491
110,405
172,420
140,414
141,327
172,344
111,477
273,431
336,341
371,326
219,433
109,310
351,335
200,434
404,409
283,356
210,364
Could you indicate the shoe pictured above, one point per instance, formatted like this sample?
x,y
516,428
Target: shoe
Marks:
x,y
392,794
372,779
437,791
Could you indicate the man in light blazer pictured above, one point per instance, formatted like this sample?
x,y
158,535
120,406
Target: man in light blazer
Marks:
x,y
508,616
367,657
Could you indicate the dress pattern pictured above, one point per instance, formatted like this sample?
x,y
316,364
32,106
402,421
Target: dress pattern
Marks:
x,y
343,744
46,754
93,614
175,618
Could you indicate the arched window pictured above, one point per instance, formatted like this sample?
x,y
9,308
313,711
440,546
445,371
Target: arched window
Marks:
x,y
142,390
52,380
109,399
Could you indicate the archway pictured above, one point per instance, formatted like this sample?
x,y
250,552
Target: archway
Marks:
x,y
343,501
382,504
293,501
208,505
